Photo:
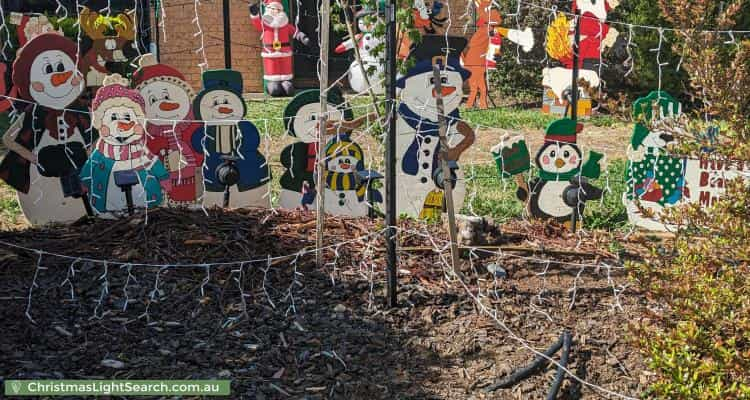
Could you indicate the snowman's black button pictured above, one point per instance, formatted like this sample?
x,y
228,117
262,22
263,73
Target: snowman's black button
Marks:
x,y
426,152
342,195
423,180
427,140
342,202
425,165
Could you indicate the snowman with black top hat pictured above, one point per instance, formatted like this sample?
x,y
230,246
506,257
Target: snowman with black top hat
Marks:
x,y
419,177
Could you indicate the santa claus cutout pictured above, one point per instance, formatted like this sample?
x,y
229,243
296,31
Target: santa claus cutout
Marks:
x,y
276,35
49,139
596,36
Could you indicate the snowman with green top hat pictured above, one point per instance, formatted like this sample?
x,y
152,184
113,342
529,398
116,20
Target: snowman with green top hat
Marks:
x,y
301,117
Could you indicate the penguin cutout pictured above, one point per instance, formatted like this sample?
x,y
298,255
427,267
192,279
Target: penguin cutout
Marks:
x,y
419,178
299,158
121,172
367,41
560,164
49,139
170,126
229,144
348,189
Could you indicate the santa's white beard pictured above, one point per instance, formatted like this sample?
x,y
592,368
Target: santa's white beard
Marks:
x,y
275,22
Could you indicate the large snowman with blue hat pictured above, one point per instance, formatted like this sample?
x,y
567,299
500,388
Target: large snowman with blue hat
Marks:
x,y
419,174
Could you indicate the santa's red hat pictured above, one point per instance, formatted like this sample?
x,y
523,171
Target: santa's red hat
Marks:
x,y
608,4
27,54
150,71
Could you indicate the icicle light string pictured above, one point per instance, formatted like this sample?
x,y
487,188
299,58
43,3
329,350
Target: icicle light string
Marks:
x,y
188,265
174,121
202,49
639,26
493,314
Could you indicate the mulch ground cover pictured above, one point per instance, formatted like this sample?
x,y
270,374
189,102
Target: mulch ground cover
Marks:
x,y
279,327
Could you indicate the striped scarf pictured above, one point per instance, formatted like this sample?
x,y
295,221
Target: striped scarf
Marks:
x,y
344,181
134,151
174,137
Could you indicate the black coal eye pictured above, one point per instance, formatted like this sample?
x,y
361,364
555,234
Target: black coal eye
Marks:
x,y
443,80
166,96
152,100
566,154
127,117
226,101
113,117
216,102
552,154
432,81
60,67
48,69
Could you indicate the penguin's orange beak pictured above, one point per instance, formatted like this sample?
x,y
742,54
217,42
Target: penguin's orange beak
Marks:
x,y
445,91
559,163
60,78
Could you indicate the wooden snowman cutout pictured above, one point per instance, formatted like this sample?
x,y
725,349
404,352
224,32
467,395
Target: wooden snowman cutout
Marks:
x,y
170,126
121,172
229,144
299,158
348,190
419,183
48,142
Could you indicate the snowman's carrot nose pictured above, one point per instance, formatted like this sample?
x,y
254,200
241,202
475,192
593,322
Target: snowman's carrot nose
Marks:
x,y
168,106
60,78
125,126
225,110
445,91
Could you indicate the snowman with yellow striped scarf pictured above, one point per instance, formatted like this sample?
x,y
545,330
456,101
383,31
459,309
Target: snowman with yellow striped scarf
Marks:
x,y
346,184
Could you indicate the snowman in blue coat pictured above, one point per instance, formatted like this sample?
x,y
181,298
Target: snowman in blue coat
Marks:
x,y
235,173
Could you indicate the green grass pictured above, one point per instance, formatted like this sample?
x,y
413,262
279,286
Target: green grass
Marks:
x,y
268,113
488,195
517,118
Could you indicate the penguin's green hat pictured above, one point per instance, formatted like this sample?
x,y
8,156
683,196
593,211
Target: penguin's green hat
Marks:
x,y
311,96
562,131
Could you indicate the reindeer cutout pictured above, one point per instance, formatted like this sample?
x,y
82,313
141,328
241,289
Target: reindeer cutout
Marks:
x,y
484,46
106,47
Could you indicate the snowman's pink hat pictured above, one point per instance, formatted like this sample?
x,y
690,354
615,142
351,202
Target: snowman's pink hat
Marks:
x,y
116,93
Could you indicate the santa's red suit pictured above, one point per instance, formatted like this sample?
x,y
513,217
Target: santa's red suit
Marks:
x,y
276,36
594,30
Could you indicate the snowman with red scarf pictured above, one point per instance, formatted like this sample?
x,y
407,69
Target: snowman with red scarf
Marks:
x,y
276,35
49,139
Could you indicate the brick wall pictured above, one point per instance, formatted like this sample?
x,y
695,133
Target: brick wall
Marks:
x,y
178,45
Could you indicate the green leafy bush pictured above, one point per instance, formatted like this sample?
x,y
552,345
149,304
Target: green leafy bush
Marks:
x,y
697,334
